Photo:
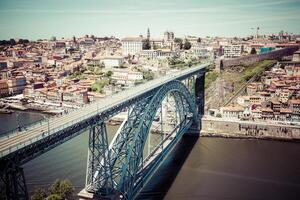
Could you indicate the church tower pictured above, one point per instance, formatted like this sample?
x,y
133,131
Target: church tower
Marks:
x,y
148,34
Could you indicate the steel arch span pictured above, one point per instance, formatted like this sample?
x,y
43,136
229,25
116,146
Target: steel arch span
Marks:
x,y
122,168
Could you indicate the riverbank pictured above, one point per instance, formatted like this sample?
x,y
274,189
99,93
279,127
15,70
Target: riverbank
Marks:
x,y
219,127
238,168
245,137
18,102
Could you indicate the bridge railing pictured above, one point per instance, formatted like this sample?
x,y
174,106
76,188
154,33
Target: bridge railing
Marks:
x,y
45,120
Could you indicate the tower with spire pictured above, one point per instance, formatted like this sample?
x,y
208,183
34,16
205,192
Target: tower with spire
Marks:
x,y
148,34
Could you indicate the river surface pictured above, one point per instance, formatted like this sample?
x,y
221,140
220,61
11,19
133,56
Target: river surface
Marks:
x,y
197,168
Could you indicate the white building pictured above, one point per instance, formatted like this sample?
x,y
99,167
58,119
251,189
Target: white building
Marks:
x,y
126,77
233,50
296,56
132,45
232,111
160,53
243,100
200,50
112,61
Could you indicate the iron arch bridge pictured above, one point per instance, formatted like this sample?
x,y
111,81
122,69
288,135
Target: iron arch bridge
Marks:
x,y
159,112
123,167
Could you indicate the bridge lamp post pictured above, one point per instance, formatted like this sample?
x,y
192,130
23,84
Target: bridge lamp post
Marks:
x,y
18,122
48,122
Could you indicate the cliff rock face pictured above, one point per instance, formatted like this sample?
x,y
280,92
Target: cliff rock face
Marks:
x,y
221,89
231,82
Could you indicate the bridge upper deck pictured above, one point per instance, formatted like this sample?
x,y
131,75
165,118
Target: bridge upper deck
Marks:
x,y
14,141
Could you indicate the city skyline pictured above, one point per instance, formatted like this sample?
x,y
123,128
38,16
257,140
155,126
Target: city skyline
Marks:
x,y
34,19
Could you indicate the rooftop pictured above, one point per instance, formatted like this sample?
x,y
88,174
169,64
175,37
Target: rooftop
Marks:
x,y
233,108
285,110
294,101
132,39
266,110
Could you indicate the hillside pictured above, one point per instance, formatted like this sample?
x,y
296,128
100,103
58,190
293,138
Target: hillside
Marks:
x,y
220,87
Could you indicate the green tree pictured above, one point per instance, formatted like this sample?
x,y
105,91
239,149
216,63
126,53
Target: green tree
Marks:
x,y
178,40
99,85
146,44
90,68
23,41
66,189
219,115
210,77
253,51
109,73
155,47
55,187
39,194
53,38
61,190
171,60
187,45
12,42
148,75
54,197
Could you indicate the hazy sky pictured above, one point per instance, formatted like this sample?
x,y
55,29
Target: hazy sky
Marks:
x,y
34,19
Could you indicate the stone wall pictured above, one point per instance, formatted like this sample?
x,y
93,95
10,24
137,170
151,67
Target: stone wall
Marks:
x,y
251,59
217,127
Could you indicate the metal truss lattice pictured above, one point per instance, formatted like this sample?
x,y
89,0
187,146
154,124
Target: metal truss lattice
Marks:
x,y
124,164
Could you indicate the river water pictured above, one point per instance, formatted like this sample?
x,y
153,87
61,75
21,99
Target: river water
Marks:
x,y
197,168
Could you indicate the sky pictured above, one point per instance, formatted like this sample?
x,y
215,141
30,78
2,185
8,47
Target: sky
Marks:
x,y
41,19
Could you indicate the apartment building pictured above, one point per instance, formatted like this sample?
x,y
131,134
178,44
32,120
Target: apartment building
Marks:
x,y
126,77
233,50
3,88
232,111
112,61
16,85
160,53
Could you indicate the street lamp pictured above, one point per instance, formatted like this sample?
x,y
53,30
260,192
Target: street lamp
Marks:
x,y
47,118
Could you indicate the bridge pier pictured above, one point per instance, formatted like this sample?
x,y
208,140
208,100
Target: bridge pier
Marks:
x,y
86,195
13,183
199,91
99,158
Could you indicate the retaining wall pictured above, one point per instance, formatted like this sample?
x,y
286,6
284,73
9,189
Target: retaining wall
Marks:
x,y
251,59
249,129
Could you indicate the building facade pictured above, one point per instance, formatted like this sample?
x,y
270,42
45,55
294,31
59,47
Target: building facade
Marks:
x,y
113,61
3,88
233,50
132,45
